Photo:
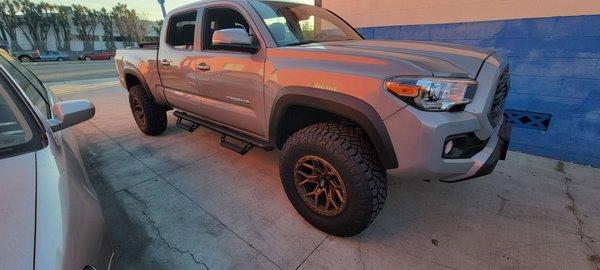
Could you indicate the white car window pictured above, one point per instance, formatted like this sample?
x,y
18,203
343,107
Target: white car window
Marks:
x,y
14,129
31,85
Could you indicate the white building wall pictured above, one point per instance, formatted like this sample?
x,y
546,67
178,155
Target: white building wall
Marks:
x,y
76,45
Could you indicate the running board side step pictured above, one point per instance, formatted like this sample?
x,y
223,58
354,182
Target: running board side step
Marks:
x,y
190,123
240,149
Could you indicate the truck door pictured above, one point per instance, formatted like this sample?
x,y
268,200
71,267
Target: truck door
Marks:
x,y
231,83
177,61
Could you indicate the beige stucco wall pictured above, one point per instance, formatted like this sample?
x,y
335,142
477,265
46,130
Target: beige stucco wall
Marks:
x,y
365,13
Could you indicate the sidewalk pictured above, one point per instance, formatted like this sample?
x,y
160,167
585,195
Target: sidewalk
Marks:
x,y
181,201
70,62
80,86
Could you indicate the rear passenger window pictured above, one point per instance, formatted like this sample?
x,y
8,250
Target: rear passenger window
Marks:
x,y
180,34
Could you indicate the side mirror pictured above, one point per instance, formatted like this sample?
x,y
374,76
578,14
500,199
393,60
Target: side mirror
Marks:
x,y
233,39
70,113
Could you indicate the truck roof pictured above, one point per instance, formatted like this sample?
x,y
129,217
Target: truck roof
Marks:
x,y
211,1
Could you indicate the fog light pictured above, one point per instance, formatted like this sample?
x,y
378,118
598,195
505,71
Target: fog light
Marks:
x,y
448,147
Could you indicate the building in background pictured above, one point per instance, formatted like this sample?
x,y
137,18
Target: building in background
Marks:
x,y
554,52
40,26
77,46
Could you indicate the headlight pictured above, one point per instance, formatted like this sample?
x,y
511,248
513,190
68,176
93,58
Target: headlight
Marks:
x,y
433,94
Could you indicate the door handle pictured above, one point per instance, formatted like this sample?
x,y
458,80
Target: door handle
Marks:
x,y
165,63
203,67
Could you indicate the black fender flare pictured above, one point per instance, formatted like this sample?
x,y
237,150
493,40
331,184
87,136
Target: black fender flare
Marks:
x,y
140,77
338,103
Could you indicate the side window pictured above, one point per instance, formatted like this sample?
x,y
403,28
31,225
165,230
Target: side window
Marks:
x,y
218,19
182,27
17,134
32,87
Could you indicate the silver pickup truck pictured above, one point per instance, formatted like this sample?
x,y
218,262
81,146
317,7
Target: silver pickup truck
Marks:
x,y
344,111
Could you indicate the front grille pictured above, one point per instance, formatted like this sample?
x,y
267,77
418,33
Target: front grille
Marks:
x,y
499,98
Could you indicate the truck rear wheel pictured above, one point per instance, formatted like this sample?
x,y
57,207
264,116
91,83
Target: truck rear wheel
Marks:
x,y
333,177
150,117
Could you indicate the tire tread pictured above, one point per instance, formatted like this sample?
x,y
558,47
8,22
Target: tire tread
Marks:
x,y
349,143
156,116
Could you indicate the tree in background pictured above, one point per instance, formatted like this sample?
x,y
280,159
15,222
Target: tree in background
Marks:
x,y
10,21
158,26
46,23
62,27
120,15
3,36
85,21
131,26
107,20
32,16
138,27
38,19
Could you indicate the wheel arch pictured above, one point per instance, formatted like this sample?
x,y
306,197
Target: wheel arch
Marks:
x,y
24,55
334,104
133,77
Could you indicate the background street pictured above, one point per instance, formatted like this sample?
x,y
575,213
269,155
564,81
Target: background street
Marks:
x,y
181,201
73,70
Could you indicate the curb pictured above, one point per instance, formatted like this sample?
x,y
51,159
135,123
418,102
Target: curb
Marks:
x,y
83,82
72,62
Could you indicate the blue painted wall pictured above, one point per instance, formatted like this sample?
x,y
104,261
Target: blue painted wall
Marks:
x,y
555,67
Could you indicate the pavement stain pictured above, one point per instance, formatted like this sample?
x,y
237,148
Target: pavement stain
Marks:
x,y
127,236
560,167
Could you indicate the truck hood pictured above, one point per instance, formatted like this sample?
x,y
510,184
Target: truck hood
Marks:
x,y
17,211
438,59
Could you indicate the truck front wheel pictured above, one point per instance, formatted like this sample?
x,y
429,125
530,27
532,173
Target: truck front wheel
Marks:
x,y
150,117
333,177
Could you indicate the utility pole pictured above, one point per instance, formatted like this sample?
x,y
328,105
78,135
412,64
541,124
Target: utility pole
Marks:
x,y
162,7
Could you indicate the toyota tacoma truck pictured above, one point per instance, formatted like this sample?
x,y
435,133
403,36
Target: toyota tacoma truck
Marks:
x,y
344,111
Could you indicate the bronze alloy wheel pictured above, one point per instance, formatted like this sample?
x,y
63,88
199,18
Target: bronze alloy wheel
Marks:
x,y
320,185
138,111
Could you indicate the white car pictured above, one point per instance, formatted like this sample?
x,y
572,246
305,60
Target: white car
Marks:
x,y
50,216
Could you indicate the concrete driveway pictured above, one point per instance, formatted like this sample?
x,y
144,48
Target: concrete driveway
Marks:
x,y
180,201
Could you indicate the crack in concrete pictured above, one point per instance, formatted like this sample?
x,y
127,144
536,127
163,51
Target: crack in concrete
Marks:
x,y
360,254
583,237
503,202
157,229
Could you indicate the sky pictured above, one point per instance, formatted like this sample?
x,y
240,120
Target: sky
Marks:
x,y
148,8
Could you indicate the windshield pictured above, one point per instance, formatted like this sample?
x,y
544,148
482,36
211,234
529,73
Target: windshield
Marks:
x,y
295,24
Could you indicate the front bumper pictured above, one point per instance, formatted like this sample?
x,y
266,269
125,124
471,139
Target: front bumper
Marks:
x,y
418,138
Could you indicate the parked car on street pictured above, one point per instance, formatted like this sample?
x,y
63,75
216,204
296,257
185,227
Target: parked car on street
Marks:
x,y
50,216
27,56
344,111
98,55
53,56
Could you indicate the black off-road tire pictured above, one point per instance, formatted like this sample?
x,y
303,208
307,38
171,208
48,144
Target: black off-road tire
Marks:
x,y
150,117
348,150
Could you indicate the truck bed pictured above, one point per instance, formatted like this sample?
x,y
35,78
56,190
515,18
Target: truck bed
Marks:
x,y
142,63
